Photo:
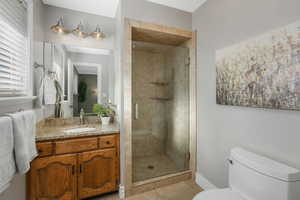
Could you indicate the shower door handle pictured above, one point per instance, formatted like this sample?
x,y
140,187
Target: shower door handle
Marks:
x,y
136,111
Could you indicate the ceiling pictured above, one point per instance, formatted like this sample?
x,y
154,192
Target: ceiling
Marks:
x,y
185,5
106,8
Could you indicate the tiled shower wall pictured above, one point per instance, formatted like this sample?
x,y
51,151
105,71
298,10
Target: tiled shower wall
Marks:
x,y
177,142
160,78
150,129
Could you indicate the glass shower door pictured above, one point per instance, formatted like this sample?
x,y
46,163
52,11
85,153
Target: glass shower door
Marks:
x,y
160,102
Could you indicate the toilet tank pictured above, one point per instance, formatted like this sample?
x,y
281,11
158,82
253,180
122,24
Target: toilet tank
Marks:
x,y
255,177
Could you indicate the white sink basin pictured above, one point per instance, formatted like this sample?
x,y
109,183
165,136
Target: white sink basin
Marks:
x,y
79,130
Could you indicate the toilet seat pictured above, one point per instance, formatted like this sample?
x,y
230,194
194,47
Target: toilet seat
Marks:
x,y
218,194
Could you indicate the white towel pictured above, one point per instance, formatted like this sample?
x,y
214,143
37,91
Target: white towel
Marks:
x,y
24,132
7,161
49,91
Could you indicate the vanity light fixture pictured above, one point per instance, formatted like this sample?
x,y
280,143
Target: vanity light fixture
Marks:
x,y
97,34
59,27
79,31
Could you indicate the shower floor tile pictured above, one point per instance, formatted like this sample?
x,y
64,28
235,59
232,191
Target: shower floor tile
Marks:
x,y
152,166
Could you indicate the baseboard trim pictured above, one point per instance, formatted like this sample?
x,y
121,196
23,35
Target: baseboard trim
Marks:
x,y
204,183
121,192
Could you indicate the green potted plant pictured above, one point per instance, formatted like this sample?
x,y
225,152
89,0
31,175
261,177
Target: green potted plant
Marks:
x,y
105,112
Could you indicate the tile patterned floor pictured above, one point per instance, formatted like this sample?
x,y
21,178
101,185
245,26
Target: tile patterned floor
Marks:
x,y
180,191
162,165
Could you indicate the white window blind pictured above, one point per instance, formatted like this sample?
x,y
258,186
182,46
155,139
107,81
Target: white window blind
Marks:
x,y
14,59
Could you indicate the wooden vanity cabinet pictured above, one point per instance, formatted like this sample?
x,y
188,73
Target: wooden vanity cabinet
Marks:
x,y
74,175
53,178
96,172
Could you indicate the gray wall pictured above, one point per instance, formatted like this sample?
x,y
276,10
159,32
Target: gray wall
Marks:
x,y
154,13
273,133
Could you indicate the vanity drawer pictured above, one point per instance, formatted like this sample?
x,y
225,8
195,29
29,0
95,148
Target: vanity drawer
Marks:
x,y
76,145
44,148
107,141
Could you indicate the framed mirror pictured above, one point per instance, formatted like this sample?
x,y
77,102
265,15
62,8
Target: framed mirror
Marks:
x,y
82,75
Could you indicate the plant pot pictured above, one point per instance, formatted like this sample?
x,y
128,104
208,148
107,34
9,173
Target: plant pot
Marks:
x,y
105,120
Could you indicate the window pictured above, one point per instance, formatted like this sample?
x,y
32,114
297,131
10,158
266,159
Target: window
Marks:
x,y
14,48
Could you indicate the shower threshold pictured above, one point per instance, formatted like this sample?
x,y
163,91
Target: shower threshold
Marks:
x,y
161,181
148,167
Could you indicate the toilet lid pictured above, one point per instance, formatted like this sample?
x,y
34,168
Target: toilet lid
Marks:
x,y
220,194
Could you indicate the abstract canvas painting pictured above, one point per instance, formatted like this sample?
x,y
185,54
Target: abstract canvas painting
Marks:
x,y
261,72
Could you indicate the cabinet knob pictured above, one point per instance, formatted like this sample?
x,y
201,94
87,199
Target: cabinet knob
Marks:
x,y
107,142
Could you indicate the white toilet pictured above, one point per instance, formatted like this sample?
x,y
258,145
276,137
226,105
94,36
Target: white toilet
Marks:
x,y
253,177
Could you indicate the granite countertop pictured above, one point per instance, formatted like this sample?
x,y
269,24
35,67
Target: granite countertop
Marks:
x,y
55,132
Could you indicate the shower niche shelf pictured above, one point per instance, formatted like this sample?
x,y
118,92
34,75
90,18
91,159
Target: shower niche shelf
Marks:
x,y
160,83
160,99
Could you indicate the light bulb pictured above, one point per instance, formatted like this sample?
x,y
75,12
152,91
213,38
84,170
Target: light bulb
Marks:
x,y
97,34
59,27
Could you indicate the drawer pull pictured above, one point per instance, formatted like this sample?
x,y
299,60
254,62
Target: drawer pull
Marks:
x,y
107,141
44,148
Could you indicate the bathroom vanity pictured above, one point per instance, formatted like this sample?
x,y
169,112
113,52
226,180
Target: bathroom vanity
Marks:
x,y
73,166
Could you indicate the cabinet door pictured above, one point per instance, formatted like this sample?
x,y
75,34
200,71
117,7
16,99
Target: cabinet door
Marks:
x,y
97,172
53,178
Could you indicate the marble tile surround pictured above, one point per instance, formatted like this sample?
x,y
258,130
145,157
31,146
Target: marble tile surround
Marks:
x,y
146,145
177,142
148,68
150,129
